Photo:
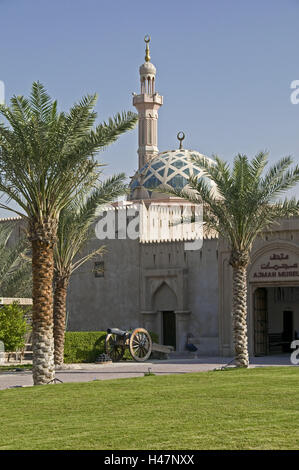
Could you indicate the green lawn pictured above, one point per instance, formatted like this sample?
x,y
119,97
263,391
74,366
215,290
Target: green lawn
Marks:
x,y
15,367
234,409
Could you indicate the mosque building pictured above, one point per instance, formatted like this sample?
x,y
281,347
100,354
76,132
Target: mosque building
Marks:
x,y
169,286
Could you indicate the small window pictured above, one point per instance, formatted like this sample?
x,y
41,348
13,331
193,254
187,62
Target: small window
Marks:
x,y
99,269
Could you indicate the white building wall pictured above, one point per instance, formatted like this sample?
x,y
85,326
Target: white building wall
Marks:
x,y
133,274
203,296
98,303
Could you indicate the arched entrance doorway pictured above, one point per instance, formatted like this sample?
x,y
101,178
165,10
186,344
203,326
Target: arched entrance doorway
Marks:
x,y
273,321
276,319
165,302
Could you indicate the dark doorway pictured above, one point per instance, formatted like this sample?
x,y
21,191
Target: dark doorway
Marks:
x,y
260,322
287,333
169,329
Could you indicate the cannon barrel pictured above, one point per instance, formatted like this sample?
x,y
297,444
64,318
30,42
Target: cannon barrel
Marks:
x,y
116,331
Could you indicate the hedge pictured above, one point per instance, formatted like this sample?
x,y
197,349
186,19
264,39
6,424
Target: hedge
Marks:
x,y
83,346
86,346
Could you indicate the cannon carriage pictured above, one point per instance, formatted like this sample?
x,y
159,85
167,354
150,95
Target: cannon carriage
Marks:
x,y
138,341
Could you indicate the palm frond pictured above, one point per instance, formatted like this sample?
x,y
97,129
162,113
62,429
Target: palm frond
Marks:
x,y
246,201
47,157
15,266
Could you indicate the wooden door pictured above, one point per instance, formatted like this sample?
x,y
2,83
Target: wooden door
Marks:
x,y
169,329
260,322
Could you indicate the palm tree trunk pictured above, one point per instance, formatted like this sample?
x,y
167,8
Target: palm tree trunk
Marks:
x,y
60,293
240,315
42,314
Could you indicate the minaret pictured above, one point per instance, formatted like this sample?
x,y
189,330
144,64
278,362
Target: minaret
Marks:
x,y
147,104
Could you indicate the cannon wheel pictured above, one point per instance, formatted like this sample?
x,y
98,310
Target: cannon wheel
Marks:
x,y
114,348
140,345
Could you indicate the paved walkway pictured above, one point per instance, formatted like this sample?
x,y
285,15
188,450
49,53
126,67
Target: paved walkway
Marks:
x,y
89,372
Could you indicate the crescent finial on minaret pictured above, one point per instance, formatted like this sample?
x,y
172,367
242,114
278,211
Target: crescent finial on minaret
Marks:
x,y
147,39
181,137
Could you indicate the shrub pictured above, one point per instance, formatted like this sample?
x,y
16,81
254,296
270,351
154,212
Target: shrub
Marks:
x,y
13,327
86,346
83,346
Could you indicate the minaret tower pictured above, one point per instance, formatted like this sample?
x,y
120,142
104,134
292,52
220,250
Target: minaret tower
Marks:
x,y
147,104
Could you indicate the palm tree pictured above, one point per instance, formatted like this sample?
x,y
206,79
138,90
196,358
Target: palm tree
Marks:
x,y
74,230
15,265
244,206
46,159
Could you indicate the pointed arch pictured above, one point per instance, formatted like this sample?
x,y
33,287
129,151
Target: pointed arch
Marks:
x,y
164,297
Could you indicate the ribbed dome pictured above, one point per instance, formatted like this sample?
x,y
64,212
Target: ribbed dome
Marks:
x,y
171,168
147,68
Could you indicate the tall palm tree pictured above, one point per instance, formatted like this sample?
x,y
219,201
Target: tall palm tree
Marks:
x,y
15,265
74,230
46,159
245,206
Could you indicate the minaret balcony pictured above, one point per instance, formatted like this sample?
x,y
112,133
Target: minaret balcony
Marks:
x,y
145,98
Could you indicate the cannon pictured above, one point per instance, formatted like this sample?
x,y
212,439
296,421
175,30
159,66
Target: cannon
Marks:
x,y
138,341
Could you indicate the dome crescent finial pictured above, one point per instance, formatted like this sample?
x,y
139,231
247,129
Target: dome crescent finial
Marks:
x,y
181,137
147,39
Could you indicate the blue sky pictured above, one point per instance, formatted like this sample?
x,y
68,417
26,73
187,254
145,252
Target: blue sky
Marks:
x,y
224,67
